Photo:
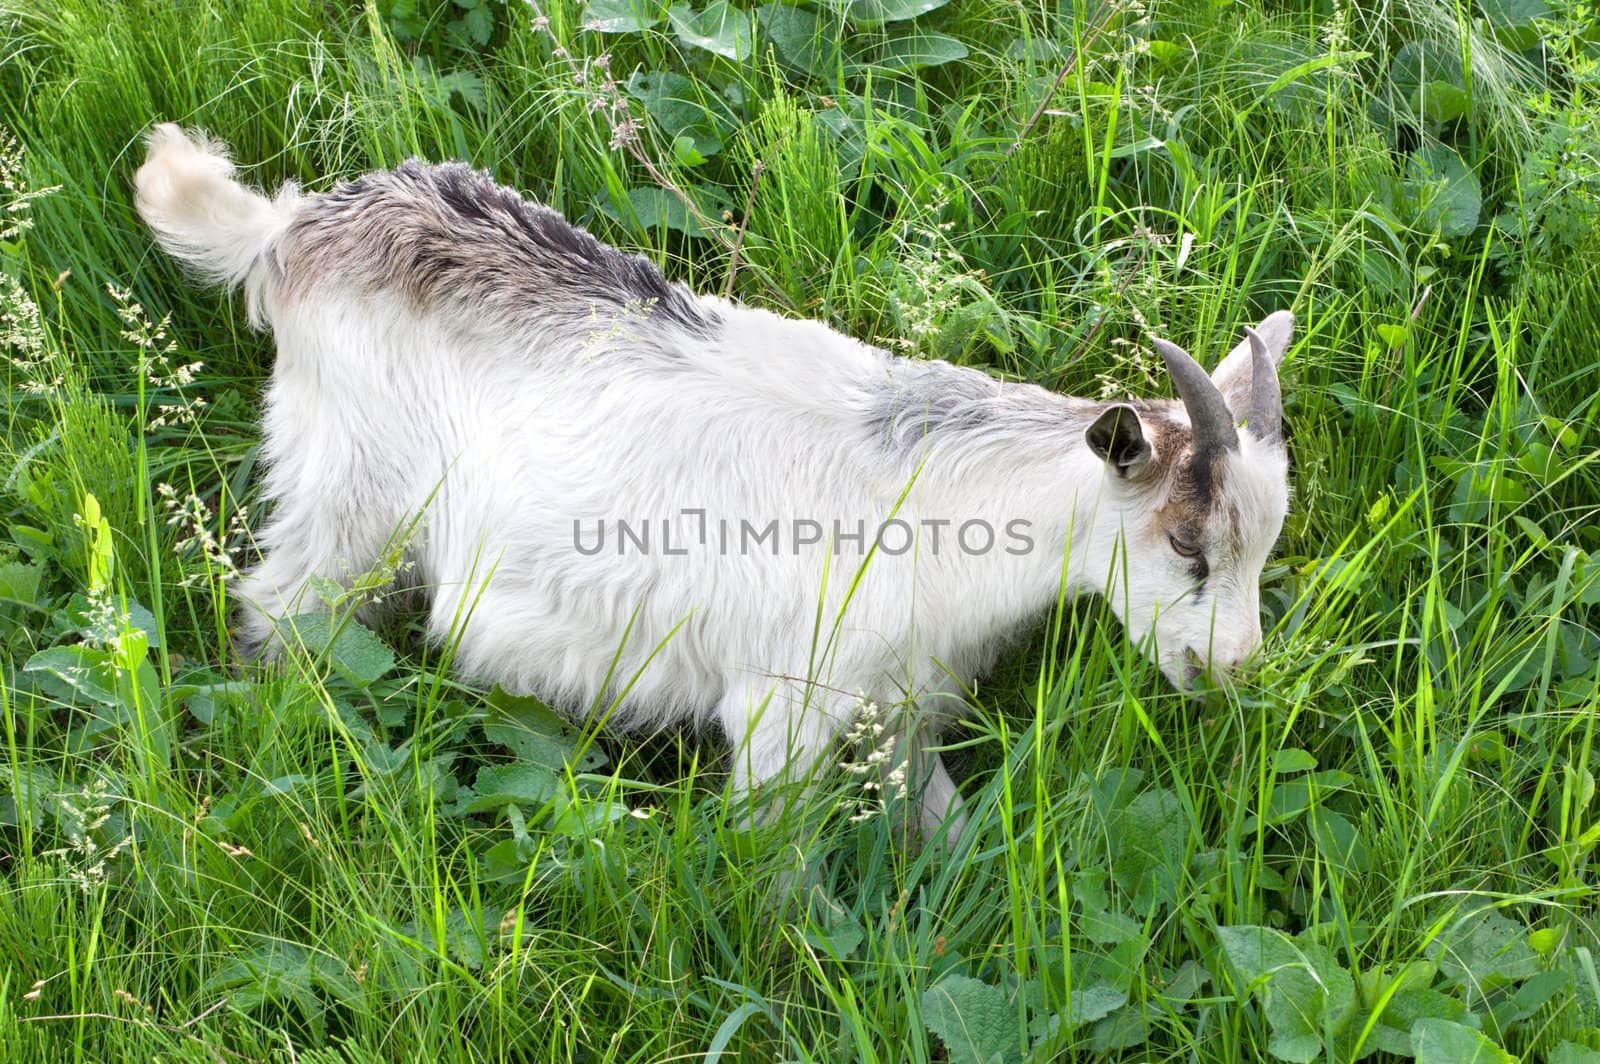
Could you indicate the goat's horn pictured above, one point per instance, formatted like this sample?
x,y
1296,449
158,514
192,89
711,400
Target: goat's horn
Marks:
x,y
1208,412
1266,400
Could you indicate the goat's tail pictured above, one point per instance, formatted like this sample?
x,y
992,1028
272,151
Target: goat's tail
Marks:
x,y
187,194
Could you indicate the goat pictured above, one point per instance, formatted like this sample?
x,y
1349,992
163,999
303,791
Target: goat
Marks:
x,y
831,522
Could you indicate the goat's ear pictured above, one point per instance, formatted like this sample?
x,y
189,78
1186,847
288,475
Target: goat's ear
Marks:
x,y
1234,376
1117,438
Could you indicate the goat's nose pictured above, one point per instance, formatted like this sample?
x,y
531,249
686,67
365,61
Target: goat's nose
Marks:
x,y
1222,665
1237,662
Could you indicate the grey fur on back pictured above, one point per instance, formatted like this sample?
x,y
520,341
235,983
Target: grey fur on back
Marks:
x,y
446,233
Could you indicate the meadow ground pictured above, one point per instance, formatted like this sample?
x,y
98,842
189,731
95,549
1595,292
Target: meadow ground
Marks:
x,y
1381,846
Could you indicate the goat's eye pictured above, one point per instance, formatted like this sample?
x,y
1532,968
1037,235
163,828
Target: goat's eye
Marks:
x,y
1184,547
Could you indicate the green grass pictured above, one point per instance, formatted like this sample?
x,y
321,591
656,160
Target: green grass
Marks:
x,y
1383,843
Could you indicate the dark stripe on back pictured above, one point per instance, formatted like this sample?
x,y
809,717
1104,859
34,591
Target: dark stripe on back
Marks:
x,y
448,232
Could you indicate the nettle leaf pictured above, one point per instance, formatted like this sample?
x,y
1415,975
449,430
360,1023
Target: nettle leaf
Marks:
x,y
466,937
1572,1053
473,28
498,786
1148,839
353,649
1442,1042
1303,990
720,28
622,16
537,734
1484,952
1051,1034
1106,928
877,12
1449,193
19,583
25,793
283,973
976,1022
1096,1002
916,50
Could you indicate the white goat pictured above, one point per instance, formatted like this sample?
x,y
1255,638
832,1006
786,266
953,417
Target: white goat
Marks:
x,y
752,520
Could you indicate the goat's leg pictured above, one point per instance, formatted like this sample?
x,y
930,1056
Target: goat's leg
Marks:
x,y
780,740
319,539
927,783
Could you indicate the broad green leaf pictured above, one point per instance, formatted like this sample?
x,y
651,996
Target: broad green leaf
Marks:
x,y
681,107
36,542
685,152
1531,997
280,974
1302,74
1392,1032
477,25
1303,990
975,1021
876,12
799,36
1393,335
1148,840
354,650
1484,952
1442,1042
500,785
1108,928
467,936
1096,1002
1288,762
1185,983
1119,966
536,733
1340,843
83,669
1514,22
649,208
19,583
586,817
24,790
1086,1006
1572,1053
720,28
1514,12
1427,80
914,51
1123,1029
832,928
1449,193
621,16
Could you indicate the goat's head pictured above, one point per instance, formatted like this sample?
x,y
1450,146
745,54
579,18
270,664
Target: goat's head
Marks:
x,y
1202,489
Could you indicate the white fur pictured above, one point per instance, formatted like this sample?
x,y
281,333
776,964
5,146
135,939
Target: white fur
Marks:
x,y
494,441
